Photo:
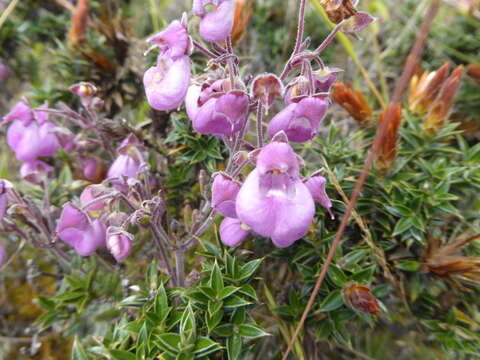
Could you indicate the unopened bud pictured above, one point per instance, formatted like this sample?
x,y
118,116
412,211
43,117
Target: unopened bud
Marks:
x,y
359,298
84,89
119,242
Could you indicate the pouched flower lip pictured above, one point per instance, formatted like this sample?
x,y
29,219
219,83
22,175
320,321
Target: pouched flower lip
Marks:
x,y
119,242
300,121
217,25
31,134
222,115
224,193
233,232
316,185
166,84
4,186
77,230
273,201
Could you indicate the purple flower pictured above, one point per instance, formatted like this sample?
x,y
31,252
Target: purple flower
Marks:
x,y
233,231
222,115
325,78
217,25
224,193
316,185
273,201
91,193
166,84
79,231
30,135
3,255
35,171
191,100
129,161
300,120
173,42
119,242
93,168
83,89
4,186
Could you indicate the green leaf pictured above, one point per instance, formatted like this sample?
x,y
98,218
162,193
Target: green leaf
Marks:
x,y
224,330
205,346
169,342
337,276
235,301
251,331
216,279
78,352
332,302
402,225
248,269
365,275
122,355
408,265
234,347
227,291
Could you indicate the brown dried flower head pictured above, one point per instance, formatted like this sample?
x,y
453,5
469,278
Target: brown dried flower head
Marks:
x,y
387,151
339,10
78,29
446,261
440,109
425,88
243,12
359,298
353,101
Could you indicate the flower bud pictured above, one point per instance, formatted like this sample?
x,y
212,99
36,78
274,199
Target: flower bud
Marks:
x,y
3,255
316,185
84,89
35,171
474,72
233,231
93,168
224,193
119,242
129,161
354,102
265,88
359,298
77,230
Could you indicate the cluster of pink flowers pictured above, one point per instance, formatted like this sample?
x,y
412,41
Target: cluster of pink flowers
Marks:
x,y
272,201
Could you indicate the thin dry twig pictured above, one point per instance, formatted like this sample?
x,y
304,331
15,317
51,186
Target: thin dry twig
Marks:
x,y
397,95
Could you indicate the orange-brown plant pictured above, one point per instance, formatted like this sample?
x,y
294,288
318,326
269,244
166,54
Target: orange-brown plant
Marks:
x,y
339,10
354,102
473,71
243,12
439,111
359,298
78,28
447,262
387,151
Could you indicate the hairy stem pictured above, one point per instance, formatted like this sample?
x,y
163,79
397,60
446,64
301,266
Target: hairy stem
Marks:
x,y
399,89
259,124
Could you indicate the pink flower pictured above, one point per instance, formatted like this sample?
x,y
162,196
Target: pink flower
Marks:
x,y
119,242
30,135
35,171
233,231
173,42
92,192
217,25
79,231
273,201
166,84
300,120
222,113
129,161
316,185
224,193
